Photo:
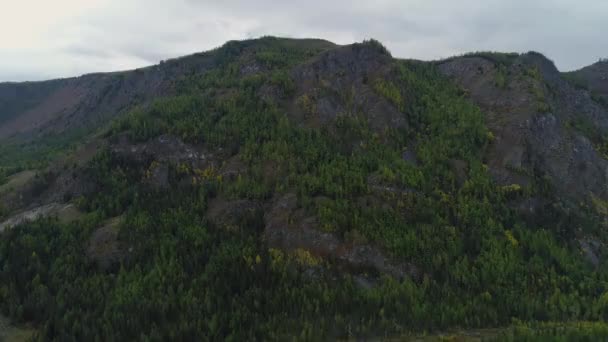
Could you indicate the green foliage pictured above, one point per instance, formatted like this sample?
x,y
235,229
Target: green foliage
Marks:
x,y
537,88
534,73
390,92
576,80
17,155
184,278
586,128
501,77
593,133
378,46
5,172
498,58
601,99
306,104
273,53
282,80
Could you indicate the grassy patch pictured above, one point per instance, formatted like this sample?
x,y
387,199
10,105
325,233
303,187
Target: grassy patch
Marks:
x,y
17,180
390,91
555,331
11,333
576,80
501,77
17,155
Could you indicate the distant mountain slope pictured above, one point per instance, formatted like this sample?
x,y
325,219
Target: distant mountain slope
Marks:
x,y
33,109
38,108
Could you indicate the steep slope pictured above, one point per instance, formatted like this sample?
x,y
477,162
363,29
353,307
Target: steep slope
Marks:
x,y
32,109
38,108
297,189
543,126
593,78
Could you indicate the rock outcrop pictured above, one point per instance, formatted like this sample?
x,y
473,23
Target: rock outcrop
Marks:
x,y
104,247
291,228
337,82
532,111
593,78
65,212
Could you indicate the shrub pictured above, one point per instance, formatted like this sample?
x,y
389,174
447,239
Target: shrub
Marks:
x,y
501,77
390,91
376,45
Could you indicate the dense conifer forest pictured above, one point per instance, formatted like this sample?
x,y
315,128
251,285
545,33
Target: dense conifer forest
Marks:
x,y
475,262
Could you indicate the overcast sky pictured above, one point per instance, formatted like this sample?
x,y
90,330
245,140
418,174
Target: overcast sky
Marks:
x,y
41,39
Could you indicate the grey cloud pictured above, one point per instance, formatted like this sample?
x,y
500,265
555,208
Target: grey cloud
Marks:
x,y
86,51
124,34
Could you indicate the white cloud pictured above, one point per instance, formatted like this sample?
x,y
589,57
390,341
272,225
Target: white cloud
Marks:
x,y
42,39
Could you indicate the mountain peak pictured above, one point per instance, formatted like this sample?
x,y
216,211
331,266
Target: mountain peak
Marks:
x,y
277,187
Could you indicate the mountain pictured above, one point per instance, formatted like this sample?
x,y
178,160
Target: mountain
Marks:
x,y
275,188
34,108
593,78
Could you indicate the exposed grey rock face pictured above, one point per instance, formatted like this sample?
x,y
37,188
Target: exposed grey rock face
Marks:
x,y
592,249
230,214
161,152
33,214
54,186
336,83
410,156
67,185
251,69
165,148
530,207
159,176
232,168
104,247
271,93
289,228
531,115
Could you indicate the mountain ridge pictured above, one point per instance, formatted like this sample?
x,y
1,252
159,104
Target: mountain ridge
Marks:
x,y
91,92
42,112
303,184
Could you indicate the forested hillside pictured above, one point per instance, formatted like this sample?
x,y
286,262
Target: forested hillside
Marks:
x,y
295,189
